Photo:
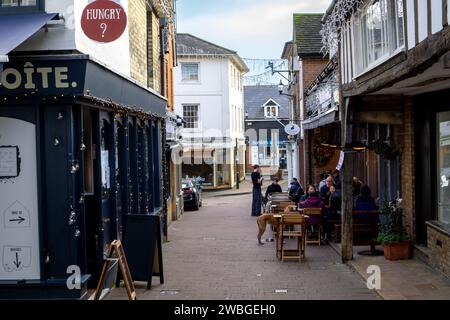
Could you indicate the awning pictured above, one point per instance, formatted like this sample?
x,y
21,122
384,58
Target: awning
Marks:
x,y
15,29
328,117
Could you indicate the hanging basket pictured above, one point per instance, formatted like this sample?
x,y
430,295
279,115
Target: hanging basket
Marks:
x,y
390,152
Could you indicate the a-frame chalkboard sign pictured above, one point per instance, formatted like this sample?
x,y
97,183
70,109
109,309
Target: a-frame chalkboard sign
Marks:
x,y
143,244
116,252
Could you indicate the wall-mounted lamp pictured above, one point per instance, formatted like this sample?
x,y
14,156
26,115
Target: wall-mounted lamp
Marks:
x,y
281,89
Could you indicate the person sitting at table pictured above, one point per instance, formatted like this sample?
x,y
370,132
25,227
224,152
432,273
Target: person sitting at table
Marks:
x,y
273,188
365,202
295,190
332,213
313,201
310,190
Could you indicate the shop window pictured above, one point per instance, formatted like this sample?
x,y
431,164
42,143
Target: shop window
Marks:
x,y
20,6
443,158
157,165
88,152
190,72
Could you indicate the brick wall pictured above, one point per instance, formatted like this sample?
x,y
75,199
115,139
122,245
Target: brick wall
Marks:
x,y
137,17
311,69
405,138
439,250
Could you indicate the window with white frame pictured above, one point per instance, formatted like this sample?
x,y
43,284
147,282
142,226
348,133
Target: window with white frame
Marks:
x,y
378,33
190,115
271,109
190,72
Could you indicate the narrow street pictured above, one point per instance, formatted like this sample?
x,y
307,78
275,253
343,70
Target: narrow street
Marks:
x,y
213,254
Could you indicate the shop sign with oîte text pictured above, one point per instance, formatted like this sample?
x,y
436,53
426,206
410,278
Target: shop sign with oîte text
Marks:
x,y
44,78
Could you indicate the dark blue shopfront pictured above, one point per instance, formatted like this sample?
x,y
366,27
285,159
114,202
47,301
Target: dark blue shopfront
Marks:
x,y
80,150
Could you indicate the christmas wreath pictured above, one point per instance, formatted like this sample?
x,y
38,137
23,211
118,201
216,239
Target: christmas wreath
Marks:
x,y
322,154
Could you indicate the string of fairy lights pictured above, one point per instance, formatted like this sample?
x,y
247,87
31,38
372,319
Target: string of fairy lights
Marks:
x,y
261,74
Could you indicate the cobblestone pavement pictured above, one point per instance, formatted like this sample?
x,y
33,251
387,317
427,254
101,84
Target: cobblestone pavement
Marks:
x,y
213,254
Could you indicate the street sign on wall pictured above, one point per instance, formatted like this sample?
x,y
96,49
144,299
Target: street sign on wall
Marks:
x,y
104,21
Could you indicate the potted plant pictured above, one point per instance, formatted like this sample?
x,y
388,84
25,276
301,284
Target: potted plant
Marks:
x,y
392,235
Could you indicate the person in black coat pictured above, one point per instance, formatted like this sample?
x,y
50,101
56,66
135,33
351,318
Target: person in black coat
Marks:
x,y
326,188
273,188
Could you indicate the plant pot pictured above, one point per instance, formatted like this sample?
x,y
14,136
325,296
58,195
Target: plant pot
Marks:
x,y
394,251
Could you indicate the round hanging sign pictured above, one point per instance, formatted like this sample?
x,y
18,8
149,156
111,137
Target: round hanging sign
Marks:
x,y
292,129
104,21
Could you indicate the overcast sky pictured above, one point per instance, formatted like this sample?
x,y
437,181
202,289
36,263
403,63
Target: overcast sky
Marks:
x,y
254,28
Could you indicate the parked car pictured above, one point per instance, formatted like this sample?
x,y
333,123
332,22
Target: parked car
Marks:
x,y
192,193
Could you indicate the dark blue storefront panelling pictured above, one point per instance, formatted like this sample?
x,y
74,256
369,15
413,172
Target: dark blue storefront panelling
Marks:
x,y
64,97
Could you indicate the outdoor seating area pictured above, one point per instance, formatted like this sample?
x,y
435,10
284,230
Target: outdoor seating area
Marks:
x,y
314,218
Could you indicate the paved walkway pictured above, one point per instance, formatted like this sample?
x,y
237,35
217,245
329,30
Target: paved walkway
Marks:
x,y
213,254
404,280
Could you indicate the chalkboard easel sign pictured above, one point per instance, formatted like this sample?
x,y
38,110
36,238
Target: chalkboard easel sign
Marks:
x,y
143,245
116,254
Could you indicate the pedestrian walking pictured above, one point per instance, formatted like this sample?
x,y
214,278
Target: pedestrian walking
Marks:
x,y
257,181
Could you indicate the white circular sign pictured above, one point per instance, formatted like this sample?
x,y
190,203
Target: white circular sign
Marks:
x,y
292,129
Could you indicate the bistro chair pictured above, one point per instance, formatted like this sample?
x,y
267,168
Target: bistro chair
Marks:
x,y
280,206
297,223
315,223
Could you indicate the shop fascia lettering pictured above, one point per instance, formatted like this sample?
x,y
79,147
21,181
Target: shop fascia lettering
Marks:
x,y
40,77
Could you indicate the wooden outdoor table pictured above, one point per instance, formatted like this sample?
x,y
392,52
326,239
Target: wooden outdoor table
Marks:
x,y
278,217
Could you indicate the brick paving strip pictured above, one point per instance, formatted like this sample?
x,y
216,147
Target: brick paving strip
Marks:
x,y
404,280
213,254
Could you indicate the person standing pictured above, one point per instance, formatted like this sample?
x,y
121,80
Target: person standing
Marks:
x,y
257,181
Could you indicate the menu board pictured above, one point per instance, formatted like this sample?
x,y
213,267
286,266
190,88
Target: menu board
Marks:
x,y
9,162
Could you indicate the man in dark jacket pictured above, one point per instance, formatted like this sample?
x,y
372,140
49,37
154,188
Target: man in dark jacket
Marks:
x,y
273,188
295,190
326,188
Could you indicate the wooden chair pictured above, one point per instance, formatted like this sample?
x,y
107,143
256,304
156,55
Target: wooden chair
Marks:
x,y
315,220
292,220
280,206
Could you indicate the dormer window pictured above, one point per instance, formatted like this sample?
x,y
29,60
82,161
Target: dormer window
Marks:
x,y
271,109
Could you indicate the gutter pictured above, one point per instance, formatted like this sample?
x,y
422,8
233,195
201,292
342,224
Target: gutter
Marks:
x,y
329,10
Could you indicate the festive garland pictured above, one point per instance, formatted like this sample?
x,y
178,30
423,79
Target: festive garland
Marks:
x,y
335,20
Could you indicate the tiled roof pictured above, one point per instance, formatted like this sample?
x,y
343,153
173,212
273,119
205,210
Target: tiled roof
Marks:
x,y
307,36
256,96
188,44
